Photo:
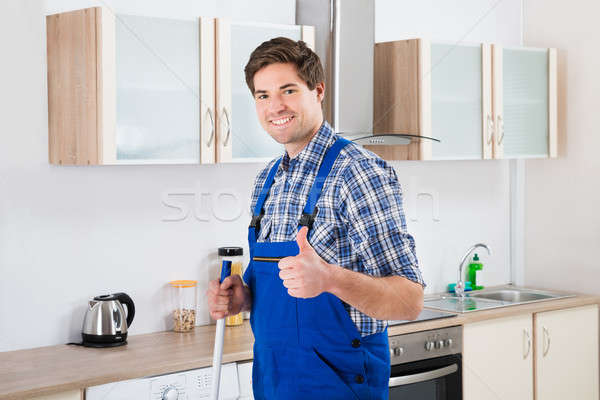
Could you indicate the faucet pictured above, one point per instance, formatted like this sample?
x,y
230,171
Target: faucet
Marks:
x,y
460,284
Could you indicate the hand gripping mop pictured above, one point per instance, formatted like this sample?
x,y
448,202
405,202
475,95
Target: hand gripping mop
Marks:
x,y
219,334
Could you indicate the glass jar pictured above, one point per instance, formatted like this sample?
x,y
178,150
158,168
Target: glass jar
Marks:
x,y
185,302
235,255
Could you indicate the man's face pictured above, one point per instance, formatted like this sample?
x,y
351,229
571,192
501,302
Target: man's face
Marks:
x,y
287,109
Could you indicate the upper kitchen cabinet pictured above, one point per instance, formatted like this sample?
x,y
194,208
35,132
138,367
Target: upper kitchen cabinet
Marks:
x,y
240,137
454,93
128,89
524,103
434,90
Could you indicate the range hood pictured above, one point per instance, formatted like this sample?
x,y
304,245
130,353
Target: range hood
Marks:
x,y
345,42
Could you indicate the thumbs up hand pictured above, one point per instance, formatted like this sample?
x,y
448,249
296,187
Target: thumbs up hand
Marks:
x,y
307,274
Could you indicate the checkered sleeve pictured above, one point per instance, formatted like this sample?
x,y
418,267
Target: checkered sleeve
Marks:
x,y
372,207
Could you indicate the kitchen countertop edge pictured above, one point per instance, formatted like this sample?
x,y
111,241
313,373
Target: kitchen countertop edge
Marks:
x,y
237,347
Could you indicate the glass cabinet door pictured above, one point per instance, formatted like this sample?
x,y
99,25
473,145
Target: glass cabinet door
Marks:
x,y
157,68
457,101
522,124
241,137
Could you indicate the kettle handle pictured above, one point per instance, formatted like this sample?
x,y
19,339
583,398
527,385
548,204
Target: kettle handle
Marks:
x,y
125,299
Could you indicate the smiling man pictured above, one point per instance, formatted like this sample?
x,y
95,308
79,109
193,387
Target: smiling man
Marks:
x,y
331,260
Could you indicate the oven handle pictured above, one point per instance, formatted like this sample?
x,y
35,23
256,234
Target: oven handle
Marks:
x,y
423,376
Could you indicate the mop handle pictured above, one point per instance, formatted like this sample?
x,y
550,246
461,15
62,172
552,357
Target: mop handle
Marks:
x,y
219,334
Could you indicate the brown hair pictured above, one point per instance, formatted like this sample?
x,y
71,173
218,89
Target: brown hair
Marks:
x,y
284,50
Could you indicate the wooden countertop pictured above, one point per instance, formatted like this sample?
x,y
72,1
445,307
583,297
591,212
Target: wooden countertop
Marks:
x,y
54,369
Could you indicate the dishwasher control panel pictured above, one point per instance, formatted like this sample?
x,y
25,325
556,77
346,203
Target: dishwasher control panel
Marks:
x,y
185,385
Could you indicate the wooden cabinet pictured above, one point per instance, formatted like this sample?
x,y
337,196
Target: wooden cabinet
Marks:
x,y
476,104
498,360
553,354
566,359
240,137
125,89
129,89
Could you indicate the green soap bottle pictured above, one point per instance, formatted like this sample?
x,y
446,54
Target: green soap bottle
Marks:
x,y
475,266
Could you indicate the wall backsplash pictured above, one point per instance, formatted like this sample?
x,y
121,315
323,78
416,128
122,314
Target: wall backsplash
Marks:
x,y
70,233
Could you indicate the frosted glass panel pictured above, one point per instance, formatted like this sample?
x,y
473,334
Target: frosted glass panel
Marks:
x,y
158,72
456,102
525,97
249,139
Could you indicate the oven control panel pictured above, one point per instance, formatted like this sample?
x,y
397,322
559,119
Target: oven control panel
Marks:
x,y
426,344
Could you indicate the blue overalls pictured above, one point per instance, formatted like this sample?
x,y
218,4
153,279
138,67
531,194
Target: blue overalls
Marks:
x,y
307,348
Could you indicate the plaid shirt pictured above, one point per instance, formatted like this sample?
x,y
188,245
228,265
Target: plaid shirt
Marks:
x,y
360,223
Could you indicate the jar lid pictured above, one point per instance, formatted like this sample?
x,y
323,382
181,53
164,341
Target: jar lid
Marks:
x,y
183,283
231,251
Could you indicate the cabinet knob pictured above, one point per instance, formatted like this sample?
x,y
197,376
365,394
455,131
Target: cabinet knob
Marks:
x,y
228,132
546,342
212,127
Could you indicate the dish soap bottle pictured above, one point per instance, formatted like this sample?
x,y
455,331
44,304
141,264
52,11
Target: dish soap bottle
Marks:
x,y
475,266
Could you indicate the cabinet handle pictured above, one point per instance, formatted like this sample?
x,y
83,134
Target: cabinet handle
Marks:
x,y
490,129
546,346
228,134
500,123
212,127
526,342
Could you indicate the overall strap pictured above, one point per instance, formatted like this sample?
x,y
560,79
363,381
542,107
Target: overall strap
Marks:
x,y
310,211
258,209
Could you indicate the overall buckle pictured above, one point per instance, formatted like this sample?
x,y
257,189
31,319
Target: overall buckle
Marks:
x,y
255,221
308,219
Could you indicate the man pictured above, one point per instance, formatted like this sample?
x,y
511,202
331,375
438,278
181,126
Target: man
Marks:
x,y
330,257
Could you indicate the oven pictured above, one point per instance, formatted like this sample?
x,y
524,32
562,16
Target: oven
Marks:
x,y
427,365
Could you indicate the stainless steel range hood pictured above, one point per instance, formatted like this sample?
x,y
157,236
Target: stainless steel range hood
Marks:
x,y
345,42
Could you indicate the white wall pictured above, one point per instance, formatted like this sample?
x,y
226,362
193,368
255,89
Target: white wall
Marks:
x,y
562,221
70,233
489,21
473,200
474,196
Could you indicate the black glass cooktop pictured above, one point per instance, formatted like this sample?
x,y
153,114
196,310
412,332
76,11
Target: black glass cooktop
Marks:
x,y
425,316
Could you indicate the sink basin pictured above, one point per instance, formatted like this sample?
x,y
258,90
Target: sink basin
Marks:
x,y
487,299
454,304
515,295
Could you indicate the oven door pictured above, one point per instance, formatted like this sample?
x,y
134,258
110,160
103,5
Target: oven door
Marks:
x,y
432,379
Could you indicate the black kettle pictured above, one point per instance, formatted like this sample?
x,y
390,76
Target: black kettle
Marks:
x,y
105,323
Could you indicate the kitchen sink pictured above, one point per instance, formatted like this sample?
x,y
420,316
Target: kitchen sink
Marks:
x,y
454,304
516,295
492,298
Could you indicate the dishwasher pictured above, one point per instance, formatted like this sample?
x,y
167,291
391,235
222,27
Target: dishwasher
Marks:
x,y
236,384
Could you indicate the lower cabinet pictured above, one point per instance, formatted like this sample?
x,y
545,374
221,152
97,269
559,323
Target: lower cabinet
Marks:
x,y
566,354
497,359
542,356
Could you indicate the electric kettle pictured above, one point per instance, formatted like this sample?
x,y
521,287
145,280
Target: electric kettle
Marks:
x,y
105,323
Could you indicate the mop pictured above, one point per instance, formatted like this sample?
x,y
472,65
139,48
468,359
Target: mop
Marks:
x,y
219,334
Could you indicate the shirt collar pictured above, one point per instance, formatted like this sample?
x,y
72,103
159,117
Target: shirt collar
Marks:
x,y
314,151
